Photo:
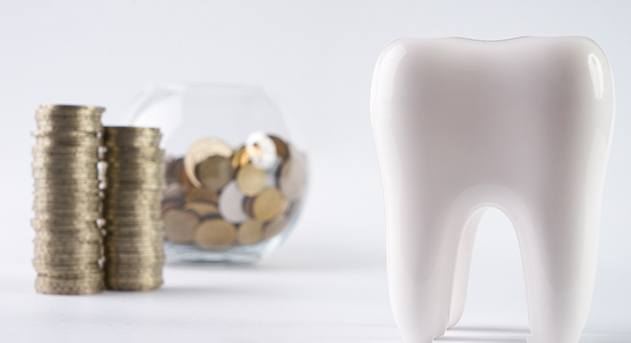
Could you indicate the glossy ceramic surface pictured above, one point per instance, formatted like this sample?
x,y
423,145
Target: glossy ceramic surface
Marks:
x,y
522,125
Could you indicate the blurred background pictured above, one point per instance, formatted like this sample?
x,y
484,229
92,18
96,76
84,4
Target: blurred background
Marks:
x,y
314,59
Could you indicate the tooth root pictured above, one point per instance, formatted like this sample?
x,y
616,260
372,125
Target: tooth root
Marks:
x,y
463,263
560,256
421,259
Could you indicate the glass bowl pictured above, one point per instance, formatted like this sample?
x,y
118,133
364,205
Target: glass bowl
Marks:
x,y
235,182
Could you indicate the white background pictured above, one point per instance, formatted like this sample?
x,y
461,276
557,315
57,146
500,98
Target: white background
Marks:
x,y
315,59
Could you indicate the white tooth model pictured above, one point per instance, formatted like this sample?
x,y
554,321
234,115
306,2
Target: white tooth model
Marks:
x,y
522,125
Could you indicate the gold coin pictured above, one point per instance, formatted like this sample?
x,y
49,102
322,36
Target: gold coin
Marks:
x,y
173,169
148,233
276,226
66,109
133,260
131,136
250,232
68,198
182,178
141,218
292,176
80,265
56,123
202,195
202,208
66,151
72,246
231,203
269,204
78,235
66,206
239,158
214,172
68,139
93,271
127,196
173,191
126,245
130,154
125,270
76,286
69,124
131,132
200,151
39,223
282,147
69,168
215,234
180,226
142,285
66,259
128,273
171,203
251,180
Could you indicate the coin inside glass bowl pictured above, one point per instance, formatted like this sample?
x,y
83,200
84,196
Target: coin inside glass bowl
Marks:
x,y
228,151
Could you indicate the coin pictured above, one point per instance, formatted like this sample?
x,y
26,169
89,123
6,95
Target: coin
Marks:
x,y
248,193
71,138
75,262
173,191
69,110
282,147
51,285
80,236
214,172
66,202
174,167
250,232
268,204
292,176
171,203
239,158
202,195
83,266
180,225
201,208
49,224
275,226
132,208
215,234
55,246
251,180
135,260
143,284
231,203
144,137
60,272
200,151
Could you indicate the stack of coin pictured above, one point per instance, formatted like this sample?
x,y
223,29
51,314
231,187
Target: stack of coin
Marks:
x,y
134,181
68,242
218,197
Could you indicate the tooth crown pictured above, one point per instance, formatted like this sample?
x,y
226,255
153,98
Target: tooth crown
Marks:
x,y
522,125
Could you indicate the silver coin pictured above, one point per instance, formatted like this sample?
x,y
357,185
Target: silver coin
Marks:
x,y
231,203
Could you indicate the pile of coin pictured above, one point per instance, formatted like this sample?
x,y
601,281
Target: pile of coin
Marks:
x,y
134,182
68,243
218,197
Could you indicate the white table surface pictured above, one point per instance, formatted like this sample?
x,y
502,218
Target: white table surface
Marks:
x,y
268,303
